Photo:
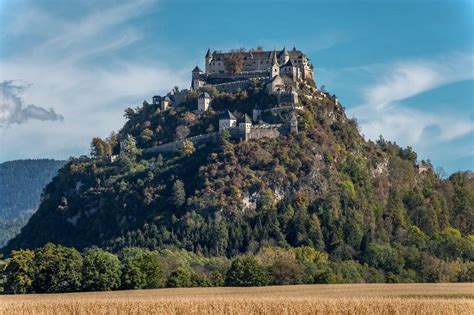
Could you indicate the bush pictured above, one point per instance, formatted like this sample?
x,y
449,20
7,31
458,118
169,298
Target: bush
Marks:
x,y
385,257
180,278
59,269
20,272
141,269
245,271
101,271
286,270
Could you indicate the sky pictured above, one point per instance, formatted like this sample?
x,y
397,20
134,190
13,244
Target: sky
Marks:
x,y
68,69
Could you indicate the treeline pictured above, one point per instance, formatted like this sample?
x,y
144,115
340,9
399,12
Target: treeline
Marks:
x,y
55,268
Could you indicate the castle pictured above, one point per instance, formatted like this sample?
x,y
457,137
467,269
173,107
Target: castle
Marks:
x,y
280,72
228,71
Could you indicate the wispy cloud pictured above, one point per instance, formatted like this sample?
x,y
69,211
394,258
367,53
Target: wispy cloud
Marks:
x,y
406,79
79,72
13,110
383,111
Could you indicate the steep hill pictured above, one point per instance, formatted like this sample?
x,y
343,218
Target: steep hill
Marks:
x,y
21,185
324,187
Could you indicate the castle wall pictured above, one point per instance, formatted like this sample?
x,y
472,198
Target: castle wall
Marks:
x,y
237,76
180,97
233,86
177,145
271,131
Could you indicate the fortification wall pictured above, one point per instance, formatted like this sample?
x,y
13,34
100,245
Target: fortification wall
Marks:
x,y
177,145
244,75
270,131
233,86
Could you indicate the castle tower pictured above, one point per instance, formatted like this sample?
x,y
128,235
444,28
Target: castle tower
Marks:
x,y
207,61
165,103
284,56
156,100
245,126
293,124
196,82
204,99
275,70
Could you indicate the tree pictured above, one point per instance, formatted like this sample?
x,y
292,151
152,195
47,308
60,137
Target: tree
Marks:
x,y
146,135
129,148
129,113
245,271
101,270
20,272
188,148
178,195
180,278
286,270
58,269
141,269
449,244
234,62
100,148
385,257
182,132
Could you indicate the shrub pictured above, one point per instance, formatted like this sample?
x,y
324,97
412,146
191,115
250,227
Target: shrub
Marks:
x,y
385,257
59,269
141,269
245,271
180,278
101,270
20,272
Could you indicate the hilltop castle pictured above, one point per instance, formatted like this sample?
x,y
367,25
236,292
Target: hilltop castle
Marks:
x,y
227,71
281,73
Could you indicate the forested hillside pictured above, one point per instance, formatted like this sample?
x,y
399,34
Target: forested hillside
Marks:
x,y
360,202
21,185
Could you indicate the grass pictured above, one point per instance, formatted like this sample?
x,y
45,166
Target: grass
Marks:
x,y
444,298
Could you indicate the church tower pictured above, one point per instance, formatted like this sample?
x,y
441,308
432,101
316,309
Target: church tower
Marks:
x,y
275,66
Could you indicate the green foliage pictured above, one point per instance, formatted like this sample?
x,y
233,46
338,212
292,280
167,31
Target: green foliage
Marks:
x,y
141,269
178,194
313,203
58,269
100,148
188,148
180,278
384,257
245,271
20,272
21,185
129,149
450,244
101,270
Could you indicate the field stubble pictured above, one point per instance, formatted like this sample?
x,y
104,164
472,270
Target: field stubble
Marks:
x,y
303,299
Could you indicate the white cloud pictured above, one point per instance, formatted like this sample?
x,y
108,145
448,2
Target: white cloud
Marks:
x,y
382,112
407,79
64,75
13,110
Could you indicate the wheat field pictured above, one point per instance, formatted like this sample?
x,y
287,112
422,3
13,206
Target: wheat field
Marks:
x,y
302,299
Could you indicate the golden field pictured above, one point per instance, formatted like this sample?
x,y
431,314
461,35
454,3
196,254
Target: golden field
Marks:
x,y
443,298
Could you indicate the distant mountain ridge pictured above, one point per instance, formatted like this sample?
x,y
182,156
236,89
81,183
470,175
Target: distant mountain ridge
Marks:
x,y
21,185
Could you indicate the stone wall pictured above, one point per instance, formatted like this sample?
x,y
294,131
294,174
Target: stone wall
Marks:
x,y
233,86
177,145
268,131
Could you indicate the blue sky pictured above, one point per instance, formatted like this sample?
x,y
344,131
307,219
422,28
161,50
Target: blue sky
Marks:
x,y
68,69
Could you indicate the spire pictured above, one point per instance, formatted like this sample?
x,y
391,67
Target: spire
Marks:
x,y
285,52
294,48
274,57
208,54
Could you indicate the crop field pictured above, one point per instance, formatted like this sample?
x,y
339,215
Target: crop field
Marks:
x,y
302,299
